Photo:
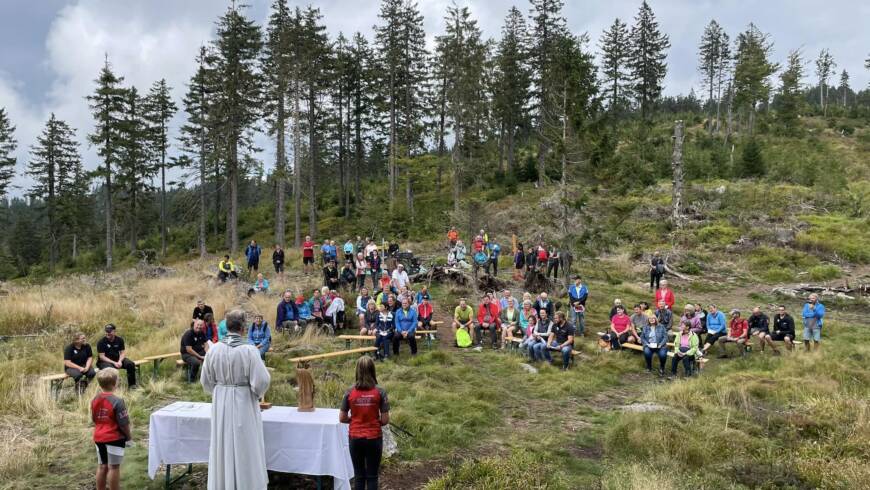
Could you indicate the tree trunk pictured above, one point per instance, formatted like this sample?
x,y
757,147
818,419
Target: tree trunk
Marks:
x,y
74,251
233,210
280,172
455,158
110,232
342,203
677,167
392,157
202,200
163,188
313,157
409,194
134,223
297,171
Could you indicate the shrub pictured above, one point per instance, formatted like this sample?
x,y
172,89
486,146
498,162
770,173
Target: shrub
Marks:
x,y
718,235
837,235
824,272
752,161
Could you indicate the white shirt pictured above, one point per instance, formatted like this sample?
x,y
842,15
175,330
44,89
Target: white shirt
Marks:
x,y
400,278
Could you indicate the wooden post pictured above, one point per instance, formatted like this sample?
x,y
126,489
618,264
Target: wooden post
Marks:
x,y
677,167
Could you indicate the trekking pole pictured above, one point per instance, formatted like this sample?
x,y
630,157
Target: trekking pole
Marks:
x,y
402,430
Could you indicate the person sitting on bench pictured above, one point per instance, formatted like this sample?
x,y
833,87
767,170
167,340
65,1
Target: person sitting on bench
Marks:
x,y
543,303
334,315
385,330
655,342
112,353
716,328
783,329
287,316
259,336
561,339
529,338
462,316
362,303
685,348
621,330
201,309
78,362
738,332
664,315
424,314
368,321
406,326
210,328
759,327
487,319
194,345
227,269
540,337
509,317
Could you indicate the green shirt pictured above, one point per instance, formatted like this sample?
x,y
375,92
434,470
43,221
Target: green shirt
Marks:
x,y
463,315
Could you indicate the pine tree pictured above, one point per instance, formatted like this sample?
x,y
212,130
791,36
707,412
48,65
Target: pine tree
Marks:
x,y
824,68
107,107
844,85
158,109
361,110
723,73
277,69
512,83
340,95
136,168
8,144
752,160
647,60
197,134
790,96
237,103
614,46
752,72
55,166
710,53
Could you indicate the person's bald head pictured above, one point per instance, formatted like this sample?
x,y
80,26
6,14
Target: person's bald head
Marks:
x,y
235,321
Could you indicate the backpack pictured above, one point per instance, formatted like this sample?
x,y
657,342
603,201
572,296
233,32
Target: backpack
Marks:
x,y
463,339
660,268
480,258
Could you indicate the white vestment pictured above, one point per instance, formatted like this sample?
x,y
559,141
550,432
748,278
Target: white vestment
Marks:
x,y
236,377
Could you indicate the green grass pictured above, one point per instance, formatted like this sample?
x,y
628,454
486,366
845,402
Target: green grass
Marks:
x,y
838,236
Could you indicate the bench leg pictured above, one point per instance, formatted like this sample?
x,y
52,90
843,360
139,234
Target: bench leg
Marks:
x,y
55,388
347,344
169,481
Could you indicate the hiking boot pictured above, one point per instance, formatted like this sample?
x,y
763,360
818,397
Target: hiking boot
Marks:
x,y
661,373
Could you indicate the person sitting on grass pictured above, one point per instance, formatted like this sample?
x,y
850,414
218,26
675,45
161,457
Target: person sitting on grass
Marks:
x,y
812,316
384,331
334,315
227,269
738,332
406,327
348,276
259,336
759,327
685,348
783,329
366,408
287,316
361,268
304,309
543,303
540,337
654,338
111,430
78,362
664,315
424,314
194,345
261,285
716,329
330,276
561,339
318,306
509,318
211,328
487,319
621,330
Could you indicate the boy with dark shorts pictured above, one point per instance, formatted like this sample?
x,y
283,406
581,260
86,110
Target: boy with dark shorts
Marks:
x,y
111,430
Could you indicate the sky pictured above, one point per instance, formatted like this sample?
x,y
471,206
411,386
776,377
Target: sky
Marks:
x,y
51,50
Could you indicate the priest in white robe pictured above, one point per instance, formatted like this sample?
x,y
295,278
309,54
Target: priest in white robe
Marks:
x,y
236,377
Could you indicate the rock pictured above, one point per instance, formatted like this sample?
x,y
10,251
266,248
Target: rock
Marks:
x,y
391,447
644,407
529,369
720,189
478,349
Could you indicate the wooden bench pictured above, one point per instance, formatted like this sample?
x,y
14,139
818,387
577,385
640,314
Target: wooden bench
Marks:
x,y
698,362
360,350
158,359
56,381
363,338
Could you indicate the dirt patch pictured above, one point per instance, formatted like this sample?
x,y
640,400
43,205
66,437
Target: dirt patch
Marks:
x,y
406,476
595,452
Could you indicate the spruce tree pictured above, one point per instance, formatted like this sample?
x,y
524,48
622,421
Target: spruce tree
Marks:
x,y
136,167
8,144
615,52
752,72
512,83
55,166
752,160
710,53
237,102
824,69
361,78
158,109
844,85
107,108
790,93
647,60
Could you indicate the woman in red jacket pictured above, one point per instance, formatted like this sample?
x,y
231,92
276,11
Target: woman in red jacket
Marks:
x,y
366,408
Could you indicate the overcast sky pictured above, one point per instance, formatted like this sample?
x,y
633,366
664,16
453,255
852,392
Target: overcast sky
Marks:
x,y
51,50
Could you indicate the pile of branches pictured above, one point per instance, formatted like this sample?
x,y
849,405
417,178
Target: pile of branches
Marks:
x,y
460,277
538,282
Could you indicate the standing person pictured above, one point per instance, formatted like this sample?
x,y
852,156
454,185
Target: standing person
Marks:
x,y
348,250
361,267
654,338
519,262
656,270
78,362
406,326
812,315
307,255
531,259
371,247
112,352
553,263
664,293
236,379
111,430
783,329
259,336
685,348
252,253
201,309
494,252
452,237
561,339
194,345
542,257
577,295
374,269
360,245
366,408
278,261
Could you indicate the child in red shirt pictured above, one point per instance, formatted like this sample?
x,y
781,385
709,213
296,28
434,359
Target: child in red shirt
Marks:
x,y
369,410
111,430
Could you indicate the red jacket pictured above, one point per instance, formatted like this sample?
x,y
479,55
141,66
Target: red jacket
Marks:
x,y
424,310
493,313
666,295
739,327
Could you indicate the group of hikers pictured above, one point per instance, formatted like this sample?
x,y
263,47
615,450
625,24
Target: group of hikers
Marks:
x,y
485,253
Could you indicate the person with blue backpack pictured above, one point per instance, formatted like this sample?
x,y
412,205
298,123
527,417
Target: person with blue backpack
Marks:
x,y
812,315
252,252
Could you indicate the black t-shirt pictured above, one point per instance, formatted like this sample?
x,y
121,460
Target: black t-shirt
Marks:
x,y
78,356
278,257
193,339
563,331
112,349
200,314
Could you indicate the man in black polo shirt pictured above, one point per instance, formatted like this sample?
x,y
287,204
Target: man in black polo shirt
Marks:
x,y
78,362
193,347
562,339
201,309
112,353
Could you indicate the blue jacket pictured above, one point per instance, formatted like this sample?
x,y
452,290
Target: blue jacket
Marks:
x,y
286,312
494,249
716,322
578,294
406,321
253,253
260,335
818,313
661,334
304,310
386,325
222,329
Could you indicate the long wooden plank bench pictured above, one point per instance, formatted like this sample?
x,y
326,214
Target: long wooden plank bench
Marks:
x,y
327,355
158,359
628,345
56,381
